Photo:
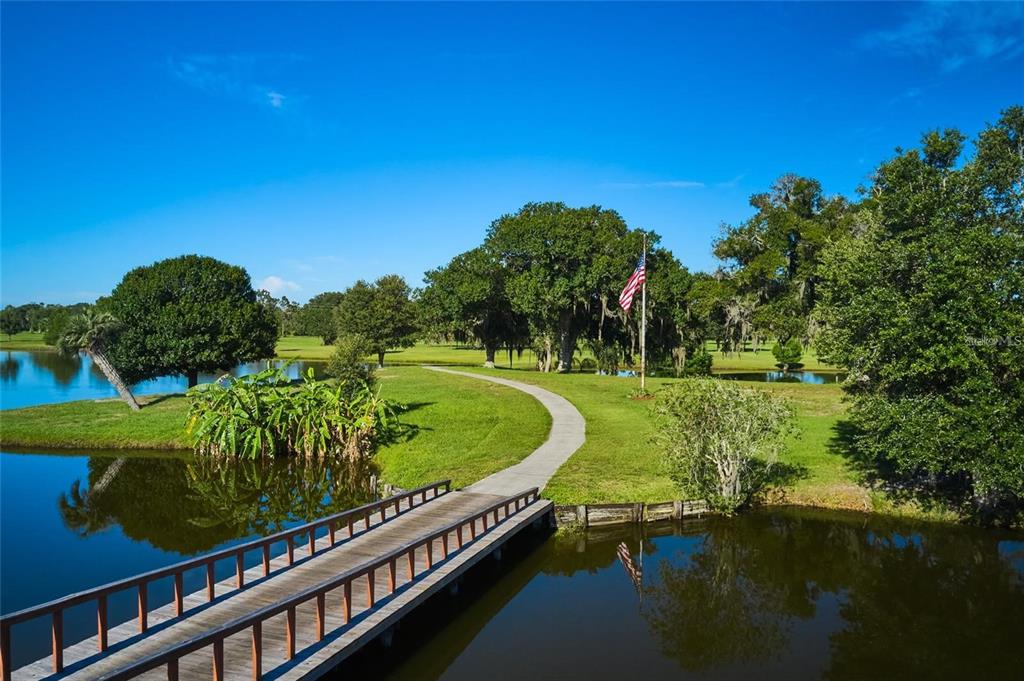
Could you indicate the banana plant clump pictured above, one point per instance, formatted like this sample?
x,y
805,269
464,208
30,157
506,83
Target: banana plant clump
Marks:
x,y
266,414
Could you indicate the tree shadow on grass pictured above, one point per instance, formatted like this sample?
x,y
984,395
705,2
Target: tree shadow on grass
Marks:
x,y
773,481
407,431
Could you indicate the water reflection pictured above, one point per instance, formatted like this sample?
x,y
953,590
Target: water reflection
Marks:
x,y
782,594
191,506
9,368
808,377
43,377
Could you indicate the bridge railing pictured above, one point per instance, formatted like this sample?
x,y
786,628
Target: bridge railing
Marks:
x,y
254,621
345,520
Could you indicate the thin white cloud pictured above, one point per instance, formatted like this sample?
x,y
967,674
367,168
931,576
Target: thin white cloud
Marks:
x,y
954,34
276,99
235,76
275,285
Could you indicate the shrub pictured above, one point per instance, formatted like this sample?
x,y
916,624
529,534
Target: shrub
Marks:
x,y
348,363
265,415
699,364
720,441
788,355
588,364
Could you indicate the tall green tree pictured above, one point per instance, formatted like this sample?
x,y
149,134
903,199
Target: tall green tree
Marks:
x,y
316,318
925,307
470,295
564,265
92,332
185,315
773,258
13,320
383,313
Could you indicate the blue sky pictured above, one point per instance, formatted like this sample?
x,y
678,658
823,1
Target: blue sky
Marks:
x,y
316,144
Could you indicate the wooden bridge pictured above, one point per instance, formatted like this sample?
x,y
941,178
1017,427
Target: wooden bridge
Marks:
x,y
336,584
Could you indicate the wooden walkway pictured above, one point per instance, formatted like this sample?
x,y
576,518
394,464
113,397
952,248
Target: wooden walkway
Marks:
x,y
339,583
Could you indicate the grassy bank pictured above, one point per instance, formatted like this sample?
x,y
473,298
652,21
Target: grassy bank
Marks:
x,y
26,340
618,462
462,428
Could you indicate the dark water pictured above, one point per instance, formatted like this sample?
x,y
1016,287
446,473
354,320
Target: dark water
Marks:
x,y
785,594
810,377
71,522
29,378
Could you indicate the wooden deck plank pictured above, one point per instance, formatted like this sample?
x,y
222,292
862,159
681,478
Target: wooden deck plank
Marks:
x,y
166,629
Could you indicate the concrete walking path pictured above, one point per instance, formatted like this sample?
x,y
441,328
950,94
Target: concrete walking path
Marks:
x,y
568,431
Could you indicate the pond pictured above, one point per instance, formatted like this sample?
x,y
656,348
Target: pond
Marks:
x,y
786,593
70,522
809,377
783,593
29,378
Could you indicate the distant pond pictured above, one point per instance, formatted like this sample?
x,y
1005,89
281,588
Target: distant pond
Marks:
x,y
30,378
809,377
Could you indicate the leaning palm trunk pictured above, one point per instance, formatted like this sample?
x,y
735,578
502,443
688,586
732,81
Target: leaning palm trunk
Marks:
x,y
115,379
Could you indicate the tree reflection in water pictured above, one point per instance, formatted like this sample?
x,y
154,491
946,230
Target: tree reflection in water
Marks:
x,y
192,505
937,604
63,369
9,368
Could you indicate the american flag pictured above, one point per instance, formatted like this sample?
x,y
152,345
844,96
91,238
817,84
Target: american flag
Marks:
x,y
634,570
633,285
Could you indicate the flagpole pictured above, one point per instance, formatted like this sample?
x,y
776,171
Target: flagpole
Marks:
x,y
643,322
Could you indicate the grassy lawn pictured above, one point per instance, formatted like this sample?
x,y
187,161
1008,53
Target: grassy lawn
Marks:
x,y
463,429
26,340
311,347
618,462
762,360
100,424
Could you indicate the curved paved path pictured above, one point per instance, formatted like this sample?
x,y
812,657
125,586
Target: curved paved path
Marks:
x,y
568,431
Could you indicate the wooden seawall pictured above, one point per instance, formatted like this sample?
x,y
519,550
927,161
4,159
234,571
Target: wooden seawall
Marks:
x,y
338,583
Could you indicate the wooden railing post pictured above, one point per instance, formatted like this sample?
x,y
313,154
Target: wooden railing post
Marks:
x,y
218,660
444,546
240,569
430,553
383,515
179,593
369,589
257,651
351,530
172,670
412,564
290,633
392,569
57,636
458,536
291,549
366,521
266,559
320,615
5,652
210,595
312,541
330,531
101,623
347,612
143,608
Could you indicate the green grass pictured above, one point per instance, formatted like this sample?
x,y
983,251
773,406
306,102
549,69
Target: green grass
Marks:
x,y
762,360
26,340
468,428
619,463
463,429
311,347
101,424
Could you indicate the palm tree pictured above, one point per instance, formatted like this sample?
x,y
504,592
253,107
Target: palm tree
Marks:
x,y
88,332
